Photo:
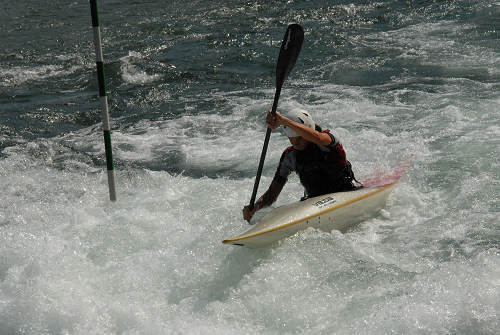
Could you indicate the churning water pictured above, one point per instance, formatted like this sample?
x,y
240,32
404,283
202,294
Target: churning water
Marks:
x,y
189,85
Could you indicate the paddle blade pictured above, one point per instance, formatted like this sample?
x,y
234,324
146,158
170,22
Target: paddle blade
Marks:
x,y
289,52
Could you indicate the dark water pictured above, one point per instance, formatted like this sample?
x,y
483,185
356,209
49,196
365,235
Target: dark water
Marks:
x,y
188,85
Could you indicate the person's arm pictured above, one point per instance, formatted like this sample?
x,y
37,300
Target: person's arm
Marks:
x,y
267,199
311,135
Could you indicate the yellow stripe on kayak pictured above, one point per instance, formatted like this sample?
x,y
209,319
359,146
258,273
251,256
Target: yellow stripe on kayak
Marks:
x,y
239,238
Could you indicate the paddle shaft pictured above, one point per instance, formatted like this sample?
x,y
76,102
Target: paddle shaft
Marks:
x,y
264,149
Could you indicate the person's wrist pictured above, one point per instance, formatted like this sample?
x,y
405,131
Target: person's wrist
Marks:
x,y
284,121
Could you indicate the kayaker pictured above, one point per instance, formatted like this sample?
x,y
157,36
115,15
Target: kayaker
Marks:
x,y
317,156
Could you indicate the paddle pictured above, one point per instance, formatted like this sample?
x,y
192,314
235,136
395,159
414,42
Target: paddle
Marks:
x,y
289,51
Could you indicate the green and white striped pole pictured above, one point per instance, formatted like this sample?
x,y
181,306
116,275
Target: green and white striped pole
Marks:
x,y
104,100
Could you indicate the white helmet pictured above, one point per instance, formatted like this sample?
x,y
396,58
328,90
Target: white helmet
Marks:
x,y
300,116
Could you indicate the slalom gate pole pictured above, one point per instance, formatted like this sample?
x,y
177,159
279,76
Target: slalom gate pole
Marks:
x,y
103,99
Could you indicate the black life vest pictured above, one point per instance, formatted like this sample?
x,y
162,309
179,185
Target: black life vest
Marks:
x,y
323,172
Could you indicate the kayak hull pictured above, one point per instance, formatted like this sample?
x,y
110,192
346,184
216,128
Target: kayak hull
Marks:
x,y
338,211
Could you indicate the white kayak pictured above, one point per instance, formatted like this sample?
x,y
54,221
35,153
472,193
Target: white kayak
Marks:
x,y
338,211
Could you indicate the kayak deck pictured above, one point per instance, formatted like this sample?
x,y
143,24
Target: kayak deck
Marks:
x,y
327,212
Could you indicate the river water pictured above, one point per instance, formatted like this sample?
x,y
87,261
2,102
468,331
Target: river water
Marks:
x,y
401,82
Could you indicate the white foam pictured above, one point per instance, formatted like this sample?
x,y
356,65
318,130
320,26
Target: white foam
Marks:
x,y
130,71
22,75
153,262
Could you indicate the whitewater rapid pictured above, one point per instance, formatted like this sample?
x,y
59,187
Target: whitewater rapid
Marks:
x,y
398,83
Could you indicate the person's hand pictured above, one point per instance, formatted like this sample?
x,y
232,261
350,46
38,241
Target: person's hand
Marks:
x,y
273,121
248,214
